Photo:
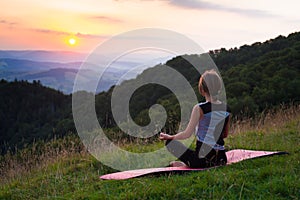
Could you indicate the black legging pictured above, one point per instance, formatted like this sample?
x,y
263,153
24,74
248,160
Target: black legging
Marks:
x,y
204,156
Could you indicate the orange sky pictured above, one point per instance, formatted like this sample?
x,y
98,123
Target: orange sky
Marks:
x,y
47,25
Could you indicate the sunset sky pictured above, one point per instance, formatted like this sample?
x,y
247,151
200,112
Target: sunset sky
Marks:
x,y
48,25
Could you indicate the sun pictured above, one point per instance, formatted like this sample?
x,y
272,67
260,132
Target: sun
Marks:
x,y
72,41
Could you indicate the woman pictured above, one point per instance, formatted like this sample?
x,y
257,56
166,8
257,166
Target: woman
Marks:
x,y
212,119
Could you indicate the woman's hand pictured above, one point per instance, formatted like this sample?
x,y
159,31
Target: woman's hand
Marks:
x,y
164,136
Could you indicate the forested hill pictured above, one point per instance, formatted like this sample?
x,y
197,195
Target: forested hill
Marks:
x,y
30,111
256,77
261,75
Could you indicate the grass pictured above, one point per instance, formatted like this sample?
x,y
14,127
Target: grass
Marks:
x,y
64,170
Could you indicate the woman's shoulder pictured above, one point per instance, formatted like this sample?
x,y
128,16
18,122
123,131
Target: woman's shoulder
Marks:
x,y
203,103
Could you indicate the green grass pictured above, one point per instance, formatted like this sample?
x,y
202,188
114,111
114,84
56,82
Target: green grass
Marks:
x,y
76,176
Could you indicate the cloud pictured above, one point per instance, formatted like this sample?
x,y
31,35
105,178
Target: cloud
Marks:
x,y
2,21
48,31
203,5
102,18
80,35
13,25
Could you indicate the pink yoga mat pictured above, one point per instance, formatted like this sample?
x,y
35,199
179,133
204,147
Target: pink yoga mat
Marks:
x,y
233,156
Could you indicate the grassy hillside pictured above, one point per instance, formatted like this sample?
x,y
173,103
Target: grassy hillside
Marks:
x,y
62,169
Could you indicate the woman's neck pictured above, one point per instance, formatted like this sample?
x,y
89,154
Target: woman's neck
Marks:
x,y
208,98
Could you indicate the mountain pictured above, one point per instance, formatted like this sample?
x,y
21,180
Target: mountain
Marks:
x,y
61,76
58,70
44,56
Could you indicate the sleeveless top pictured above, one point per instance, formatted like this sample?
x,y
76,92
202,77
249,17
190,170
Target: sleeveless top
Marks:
x,y
211,126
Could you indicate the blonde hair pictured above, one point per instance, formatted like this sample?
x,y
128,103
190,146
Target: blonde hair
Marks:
x,y
211,83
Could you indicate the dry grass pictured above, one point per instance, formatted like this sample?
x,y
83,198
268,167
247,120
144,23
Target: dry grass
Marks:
x,y
270,120
38,156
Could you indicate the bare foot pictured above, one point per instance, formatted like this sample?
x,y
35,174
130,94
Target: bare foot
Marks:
x,y
177,164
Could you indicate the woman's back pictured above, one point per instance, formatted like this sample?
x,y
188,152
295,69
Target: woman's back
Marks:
x,y
211,126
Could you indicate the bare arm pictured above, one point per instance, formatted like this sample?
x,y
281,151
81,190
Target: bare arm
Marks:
x,y
194,120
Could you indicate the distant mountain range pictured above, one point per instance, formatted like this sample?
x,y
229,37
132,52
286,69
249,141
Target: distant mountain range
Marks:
x,y
58,70
44,56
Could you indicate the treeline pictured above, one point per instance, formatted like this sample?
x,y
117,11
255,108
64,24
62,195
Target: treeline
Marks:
x,y
30,111
256,77
262,75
